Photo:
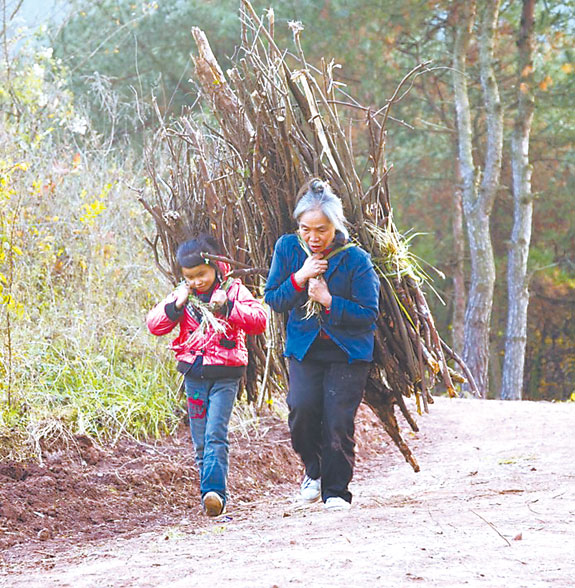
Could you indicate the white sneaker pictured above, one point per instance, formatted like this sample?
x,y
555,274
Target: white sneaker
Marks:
x,y
310,490
336,503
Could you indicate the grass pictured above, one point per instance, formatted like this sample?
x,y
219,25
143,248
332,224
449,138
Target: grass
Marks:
x,y
97,373
92,373
76,357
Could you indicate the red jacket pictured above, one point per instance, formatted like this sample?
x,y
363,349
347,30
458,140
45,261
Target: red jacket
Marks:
x,y
247,316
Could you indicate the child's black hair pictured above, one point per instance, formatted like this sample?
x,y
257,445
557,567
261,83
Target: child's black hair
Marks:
x,y
189,252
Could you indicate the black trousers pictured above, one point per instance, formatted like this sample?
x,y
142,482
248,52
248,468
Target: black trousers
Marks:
x,y
323,399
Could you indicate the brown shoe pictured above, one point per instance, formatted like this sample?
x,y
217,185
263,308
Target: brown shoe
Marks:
x,y
213,504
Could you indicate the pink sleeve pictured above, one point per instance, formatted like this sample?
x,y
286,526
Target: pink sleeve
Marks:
x,y
157,321
248,313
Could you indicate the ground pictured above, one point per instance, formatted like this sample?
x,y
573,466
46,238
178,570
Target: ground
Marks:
x,y
493,505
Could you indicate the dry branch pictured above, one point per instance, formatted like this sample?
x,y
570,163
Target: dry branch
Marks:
x,y
278,123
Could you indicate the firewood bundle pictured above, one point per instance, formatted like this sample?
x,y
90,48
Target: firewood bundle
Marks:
x,y
270,123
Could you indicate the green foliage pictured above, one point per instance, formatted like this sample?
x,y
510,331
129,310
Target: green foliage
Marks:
x,y
36,105
75,279
81,361
104,391
549,362
120,53
9,247
375,43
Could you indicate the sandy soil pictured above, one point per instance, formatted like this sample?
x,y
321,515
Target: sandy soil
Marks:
x,y
494,505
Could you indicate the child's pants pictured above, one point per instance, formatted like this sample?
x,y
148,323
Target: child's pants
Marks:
x,y
210,404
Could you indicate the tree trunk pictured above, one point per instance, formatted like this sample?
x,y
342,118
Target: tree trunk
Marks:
x,y
480,298
478,200
517,283
458,319
464,17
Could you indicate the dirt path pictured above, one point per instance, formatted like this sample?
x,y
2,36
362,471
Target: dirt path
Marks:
x,y
494,505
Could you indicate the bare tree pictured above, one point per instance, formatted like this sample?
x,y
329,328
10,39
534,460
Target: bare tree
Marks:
x,y
517,282
479,188
458,320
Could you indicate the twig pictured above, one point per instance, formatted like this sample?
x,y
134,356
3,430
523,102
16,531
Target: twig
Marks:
x,y
252,271
391,101
238,177
463,366
223,258
492,526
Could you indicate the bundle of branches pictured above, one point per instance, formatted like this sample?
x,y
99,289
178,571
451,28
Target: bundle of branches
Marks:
x,y
274,121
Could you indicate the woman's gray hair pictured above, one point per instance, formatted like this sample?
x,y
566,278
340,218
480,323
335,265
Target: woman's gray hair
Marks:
x,y
317,195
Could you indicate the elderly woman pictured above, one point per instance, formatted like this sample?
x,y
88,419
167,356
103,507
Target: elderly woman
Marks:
x,y
330,290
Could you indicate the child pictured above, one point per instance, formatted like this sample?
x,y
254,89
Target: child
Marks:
x,y
214,316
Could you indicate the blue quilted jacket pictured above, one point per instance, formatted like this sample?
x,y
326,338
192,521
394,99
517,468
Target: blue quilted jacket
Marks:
x,y
354,286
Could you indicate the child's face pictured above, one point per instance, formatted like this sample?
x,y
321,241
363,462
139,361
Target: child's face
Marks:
x,y
200,277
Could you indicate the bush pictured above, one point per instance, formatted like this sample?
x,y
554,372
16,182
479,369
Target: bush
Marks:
x,y
76,279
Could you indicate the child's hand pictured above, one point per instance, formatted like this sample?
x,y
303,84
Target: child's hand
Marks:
x,y
219,298
182,292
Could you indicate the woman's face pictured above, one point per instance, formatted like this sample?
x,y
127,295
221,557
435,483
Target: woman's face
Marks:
x,y
316,230
200,277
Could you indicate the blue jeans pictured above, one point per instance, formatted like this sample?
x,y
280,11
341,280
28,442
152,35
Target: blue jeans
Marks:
x,y
210,404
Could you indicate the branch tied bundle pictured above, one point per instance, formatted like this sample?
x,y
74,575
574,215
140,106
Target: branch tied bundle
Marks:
x,y
273,121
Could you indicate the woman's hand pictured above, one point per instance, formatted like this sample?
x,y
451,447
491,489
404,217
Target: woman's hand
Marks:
x,y
317,290
312,268
182,292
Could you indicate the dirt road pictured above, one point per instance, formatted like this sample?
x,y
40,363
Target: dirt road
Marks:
x,y
494,505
